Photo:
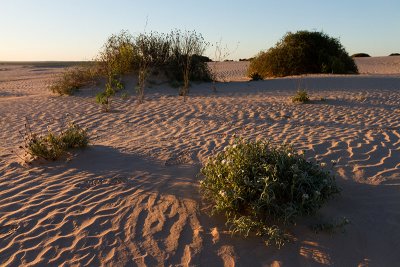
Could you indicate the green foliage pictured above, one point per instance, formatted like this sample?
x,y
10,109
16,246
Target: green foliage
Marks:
x,y
301,96
301,53
394,54
255,76
258,186
199,70
104,98
73,79
117,55
52,146
360,55
186,49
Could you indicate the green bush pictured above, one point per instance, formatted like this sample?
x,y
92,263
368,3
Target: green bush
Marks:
x,y
74,79
394,54
301,96
117,55
258,186
52,146
303,52
199,70
360,55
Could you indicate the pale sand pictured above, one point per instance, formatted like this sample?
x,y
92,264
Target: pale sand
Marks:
x,y
132,198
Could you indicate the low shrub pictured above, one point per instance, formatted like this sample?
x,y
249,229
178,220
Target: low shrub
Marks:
x,y
394,54
52,146
74,79
255,76
301,96
262,188
303,52
360,55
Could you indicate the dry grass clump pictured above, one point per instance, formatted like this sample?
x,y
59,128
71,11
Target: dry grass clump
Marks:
x,y
74,79
301,96
53,146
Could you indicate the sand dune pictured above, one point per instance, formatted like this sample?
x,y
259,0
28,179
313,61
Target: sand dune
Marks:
x,y
132,198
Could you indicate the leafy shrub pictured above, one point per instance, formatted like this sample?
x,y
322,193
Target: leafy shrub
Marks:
x,y
301,53
301,96
255,76
360,55
394,54
104,98
117,55
74,79
259,186
199,70
52,146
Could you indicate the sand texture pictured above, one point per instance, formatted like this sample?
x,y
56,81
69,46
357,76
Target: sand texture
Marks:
x,y
132,199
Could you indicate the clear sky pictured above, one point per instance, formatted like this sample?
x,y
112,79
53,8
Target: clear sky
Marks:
x,y
76,29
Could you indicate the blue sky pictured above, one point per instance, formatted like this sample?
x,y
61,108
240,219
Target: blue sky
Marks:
x,y
76,29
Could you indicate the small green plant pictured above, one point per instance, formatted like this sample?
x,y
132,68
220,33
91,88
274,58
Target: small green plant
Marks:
x,y
52,146
104,98
74,79
301,96
255,76
258,186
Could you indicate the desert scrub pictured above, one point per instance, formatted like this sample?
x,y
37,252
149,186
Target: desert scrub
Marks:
x,y
255,76
258,186
74,79
303,52
301,96
52,146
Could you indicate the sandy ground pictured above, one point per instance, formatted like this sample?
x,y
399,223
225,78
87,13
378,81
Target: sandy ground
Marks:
x,y
132,198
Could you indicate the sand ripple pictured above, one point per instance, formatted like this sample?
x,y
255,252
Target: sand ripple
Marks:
x,y
132,198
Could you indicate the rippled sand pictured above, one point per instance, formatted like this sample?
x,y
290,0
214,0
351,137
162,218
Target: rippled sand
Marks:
x,y
132,198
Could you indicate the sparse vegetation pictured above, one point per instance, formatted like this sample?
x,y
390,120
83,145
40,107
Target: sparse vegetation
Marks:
x,y
104,98
152,54
301,96
178,54
52,146
301,53
185,46
360,55
255,76
262,189
73,79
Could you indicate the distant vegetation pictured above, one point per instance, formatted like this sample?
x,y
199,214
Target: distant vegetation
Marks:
x,y
73,79
303,52
394,54
360,55
179,55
